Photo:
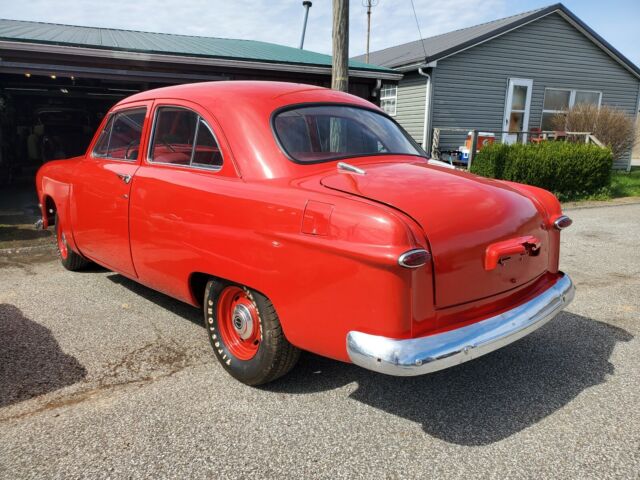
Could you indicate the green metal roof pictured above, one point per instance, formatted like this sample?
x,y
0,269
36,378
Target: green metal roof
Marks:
x,y
164,43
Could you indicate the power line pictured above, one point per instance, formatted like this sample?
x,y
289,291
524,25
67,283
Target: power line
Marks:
x,y
419,31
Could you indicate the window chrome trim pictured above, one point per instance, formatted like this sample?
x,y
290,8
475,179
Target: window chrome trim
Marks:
x,y
198,166
113,115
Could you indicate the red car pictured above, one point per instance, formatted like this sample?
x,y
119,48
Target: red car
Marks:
x,y
301,218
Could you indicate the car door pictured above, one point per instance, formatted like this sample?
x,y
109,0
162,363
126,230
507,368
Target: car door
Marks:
x,y
180,208
103,186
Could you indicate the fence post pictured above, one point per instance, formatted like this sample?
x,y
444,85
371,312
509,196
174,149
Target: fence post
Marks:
x,y
435,144
472,150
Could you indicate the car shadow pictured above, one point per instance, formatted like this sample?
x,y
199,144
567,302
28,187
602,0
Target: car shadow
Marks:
x,y
476,403
181,309
485,400
31,360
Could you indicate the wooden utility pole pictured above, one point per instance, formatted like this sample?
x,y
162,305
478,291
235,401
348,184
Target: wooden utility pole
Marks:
x,y
340,62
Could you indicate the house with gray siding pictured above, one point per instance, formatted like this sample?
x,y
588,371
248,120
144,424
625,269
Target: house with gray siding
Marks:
x,y
509,75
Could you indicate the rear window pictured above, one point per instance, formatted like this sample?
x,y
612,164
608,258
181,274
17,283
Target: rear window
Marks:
x,y
321,133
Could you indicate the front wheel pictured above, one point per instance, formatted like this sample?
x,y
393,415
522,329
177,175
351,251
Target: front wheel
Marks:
x,y
69,259
246,335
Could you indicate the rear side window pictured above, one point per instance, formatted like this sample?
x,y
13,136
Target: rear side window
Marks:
x,y
206,152
120,138
182,137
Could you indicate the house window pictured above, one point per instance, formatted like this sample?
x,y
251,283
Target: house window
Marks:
x,y
559,100
389,98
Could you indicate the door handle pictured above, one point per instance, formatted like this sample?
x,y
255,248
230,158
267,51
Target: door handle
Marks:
x,y
124,177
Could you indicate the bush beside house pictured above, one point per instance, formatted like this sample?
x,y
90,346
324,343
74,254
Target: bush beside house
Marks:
x,y
570,170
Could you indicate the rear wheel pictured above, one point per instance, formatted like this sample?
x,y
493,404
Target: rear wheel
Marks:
x,y
246,334
69,259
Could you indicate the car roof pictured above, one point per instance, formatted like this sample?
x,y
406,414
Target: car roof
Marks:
x,y
243,110
206,91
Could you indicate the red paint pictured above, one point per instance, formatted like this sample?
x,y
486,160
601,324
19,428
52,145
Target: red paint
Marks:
x,y
323,246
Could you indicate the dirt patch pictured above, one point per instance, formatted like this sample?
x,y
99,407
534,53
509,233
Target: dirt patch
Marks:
x,y
25,257
142,366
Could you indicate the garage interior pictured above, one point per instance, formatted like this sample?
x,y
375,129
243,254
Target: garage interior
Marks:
x,y
49,117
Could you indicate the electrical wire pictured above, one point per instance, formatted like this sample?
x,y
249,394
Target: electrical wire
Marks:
x,y
419,31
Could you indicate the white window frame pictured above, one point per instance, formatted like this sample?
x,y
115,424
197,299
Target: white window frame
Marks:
x,y
394,97
572,99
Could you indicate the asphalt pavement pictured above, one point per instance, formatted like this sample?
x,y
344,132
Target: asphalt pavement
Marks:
x,y
103,378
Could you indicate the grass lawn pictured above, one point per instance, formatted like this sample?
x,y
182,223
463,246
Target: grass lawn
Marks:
x,y
626,184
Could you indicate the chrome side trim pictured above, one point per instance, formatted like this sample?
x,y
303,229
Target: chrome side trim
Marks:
x,y
417,356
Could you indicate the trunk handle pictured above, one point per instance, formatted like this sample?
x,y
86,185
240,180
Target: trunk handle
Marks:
x,y
495,253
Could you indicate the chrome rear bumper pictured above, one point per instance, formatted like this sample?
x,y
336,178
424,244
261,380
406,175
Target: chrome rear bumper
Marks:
x,y
416,356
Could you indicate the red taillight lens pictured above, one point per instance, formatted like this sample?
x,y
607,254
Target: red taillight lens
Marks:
x,y
414,258
562,222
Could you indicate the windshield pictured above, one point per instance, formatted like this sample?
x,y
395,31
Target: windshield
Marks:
x,y
311,134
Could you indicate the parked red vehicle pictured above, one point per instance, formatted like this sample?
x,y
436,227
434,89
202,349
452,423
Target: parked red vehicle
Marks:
x,y
301,218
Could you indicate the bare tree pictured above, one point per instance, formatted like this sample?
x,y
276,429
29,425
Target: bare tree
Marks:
x,y
612,126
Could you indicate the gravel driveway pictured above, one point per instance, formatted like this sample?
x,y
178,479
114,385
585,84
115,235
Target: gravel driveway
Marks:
x,y
103,378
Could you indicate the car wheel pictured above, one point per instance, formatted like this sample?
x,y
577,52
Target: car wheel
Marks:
x,y
246,334
69,259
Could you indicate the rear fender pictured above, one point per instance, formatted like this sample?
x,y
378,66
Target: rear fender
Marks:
x,y
60,194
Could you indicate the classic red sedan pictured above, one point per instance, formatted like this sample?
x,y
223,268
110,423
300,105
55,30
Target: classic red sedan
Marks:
x,y
301,218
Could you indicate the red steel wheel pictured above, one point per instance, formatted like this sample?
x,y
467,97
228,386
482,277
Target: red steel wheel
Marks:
x,y
245,333
69,259
239,322
62,242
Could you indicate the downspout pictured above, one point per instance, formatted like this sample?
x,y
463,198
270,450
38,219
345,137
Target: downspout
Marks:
x,y
637,125
427,106
375,92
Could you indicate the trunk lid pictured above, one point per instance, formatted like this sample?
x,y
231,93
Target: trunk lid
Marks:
x,y
462,216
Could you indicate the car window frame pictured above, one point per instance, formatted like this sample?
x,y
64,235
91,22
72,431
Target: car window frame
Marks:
x,y
149,159
293,106
107,119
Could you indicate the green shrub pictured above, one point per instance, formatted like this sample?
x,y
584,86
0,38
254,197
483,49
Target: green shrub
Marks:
x,y
569,170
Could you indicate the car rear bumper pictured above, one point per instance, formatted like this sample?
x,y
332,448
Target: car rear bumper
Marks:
x,y
417,356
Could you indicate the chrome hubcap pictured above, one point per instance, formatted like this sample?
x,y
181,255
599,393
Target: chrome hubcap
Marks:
x,y
242,321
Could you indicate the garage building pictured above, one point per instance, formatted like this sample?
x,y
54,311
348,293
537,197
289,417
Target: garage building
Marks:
x,y
58,81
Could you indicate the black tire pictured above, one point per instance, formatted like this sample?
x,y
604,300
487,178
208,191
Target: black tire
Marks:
x,y
69,259
275,356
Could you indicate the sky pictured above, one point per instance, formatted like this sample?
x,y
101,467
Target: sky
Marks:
x,y
280,21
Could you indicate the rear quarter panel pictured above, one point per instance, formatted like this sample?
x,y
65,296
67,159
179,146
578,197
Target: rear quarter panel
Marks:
x,y
185,221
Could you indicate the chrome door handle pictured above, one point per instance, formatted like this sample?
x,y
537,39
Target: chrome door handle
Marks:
x,y
124,177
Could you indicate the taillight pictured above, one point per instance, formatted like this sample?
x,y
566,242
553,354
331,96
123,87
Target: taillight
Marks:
x,y
562,222
414,258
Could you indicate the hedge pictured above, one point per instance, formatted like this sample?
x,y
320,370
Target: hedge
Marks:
x,y
569,170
